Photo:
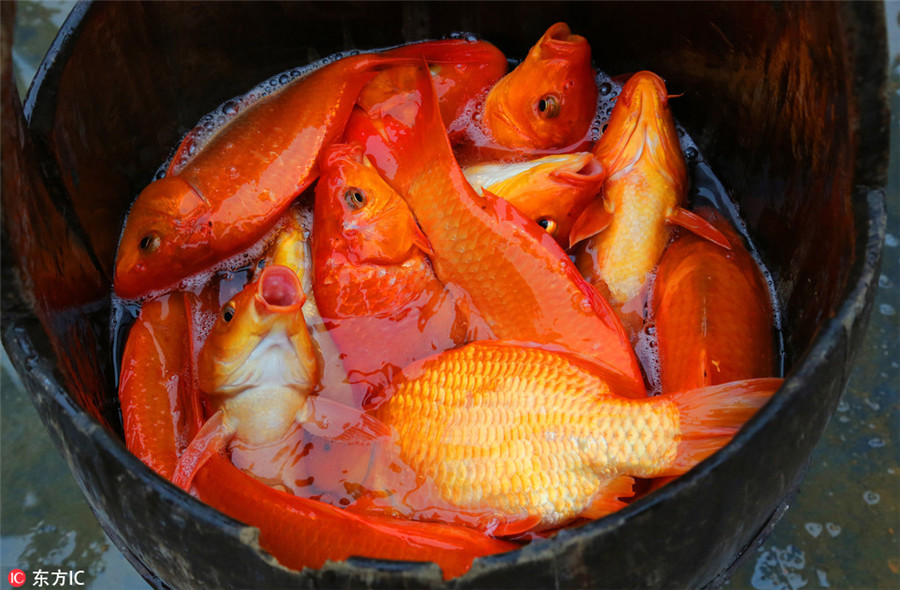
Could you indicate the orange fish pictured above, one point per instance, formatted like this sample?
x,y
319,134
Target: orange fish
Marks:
x,y
241,182
712,312
292,249
515,275
548,101
159,412
462,71
529,439
303,533
258,368
551,191
627,229
373,279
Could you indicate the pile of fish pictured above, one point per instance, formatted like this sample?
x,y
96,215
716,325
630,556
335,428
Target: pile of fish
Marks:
x,y
396,300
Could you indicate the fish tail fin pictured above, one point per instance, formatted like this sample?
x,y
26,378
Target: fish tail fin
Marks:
x,y
710,417
210,440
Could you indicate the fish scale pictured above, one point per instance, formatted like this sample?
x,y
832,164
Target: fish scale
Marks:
x,y
522,431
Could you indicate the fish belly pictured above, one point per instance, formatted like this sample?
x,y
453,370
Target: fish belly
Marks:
x,y
626,252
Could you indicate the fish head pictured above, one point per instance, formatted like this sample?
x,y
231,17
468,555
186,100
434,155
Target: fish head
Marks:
x,y
155,245
260,339
549,100
551,190
641,125
366,219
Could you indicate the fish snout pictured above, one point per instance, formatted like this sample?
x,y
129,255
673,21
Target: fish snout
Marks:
x,y
280,290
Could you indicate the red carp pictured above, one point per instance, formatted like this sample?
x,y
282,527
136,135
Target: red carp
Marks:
x,y
547,103
515,275
373,278
242,181
712,312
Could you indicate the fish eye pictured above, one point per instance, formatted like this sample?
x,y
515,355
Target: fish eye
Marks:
x,y
150,243
548,224
548,107
228,312
355,198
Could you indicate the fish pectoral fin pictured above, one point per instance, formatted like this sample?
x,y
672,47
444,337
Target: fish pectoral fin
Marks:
x,y
590,177
419,239
697,225
514,526
607,500
595,218
334,420
212,438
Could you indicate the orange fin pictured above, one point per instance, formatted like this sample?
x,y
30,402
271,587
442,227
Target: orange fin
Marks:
x,y
591,175
420,239
710,416
515,526
607,500
212,438
696,224
334,420
181,154
595,218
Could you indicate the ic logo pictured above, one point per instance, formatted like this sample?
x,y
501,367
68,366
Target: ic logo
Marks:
x,y
16,578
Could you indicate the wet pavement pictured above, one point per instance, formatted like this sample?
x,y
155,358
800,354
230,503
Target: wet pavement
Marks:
x,y
841,530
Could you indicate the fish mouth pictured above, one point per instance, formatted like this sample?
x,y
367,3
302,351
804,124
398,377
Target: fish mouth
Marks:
x,y
279,290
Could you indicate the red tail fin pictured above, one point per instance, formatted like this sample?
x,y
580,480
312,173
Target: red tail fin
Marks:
x,y
711,416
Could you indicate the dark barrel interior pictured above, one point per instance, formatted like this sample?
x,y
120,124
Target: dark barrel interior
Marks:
x,y
785,100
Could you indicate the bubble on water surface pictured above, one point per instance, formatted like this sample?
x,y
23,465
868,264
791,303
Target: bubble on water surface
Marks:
x,y
876,443
871,497
890,240
833,529
813,528
690,153
779,569
885,282
605,88
886,309
230,108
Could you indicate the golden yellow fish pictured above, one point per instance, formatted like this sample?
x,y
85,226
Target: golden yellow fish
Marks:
x,y
551,191
521,438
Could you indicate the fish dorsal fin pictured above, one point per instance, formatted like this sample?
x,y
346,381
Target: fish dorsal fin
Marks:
x,y
183,153
330,419
607,499
699,226
595,218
